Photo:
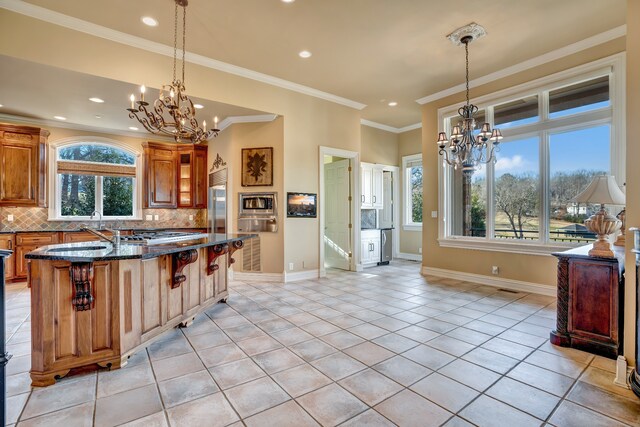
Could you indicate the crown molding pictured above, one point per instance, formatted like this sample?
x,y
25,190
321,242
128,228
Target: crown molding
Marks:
x,y
76,24
581,45
390,128
76,126
246,119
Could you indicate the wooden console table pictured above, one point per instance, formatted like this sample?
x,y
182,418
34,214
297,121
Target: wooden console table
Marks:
x,y
590,302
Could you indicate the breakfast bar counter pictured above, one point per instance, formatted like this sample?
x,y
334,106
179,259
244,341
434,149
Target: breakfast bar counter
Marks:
x,y
93,303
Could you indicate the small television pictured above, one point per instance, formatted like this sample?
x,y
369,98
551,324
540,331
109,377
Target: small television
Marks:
x,y
302,205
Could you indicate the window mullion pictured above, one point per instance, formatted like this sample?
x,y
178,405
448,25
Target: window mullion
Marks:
x,y
99,192
545,188
491,206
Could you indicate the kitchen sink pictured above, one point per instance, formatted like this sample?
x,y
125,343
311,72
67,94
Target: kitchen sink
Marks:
x,y
79,249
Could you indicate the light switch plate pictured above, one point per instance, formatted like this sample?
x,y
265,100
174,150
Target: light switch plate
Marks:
x,y
434,214
10,218
156,217
149,217
190,217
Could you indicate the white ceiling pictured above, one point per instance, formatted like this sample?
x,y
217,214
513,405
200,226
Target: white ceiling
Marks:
x,y
368,51
40,92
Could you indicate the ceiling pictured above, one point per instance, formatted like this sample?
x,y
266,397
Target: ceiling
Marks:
x,y
66,93
368,51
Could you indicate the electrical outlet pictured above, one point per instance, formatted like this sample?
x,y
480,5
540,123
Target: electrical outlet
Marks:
x,y
156,217
434,214
419,250
495,270
190,217
148,217
10,218
290,266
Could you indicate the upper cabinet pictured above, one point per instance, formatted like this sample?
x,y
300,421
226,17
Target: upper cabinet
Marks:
x,y
23,157
160,167
371,182
175,176
201,183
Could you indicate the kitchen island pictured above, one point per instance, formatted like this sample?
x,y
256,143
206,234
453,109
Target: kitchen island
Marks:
x,y
93,303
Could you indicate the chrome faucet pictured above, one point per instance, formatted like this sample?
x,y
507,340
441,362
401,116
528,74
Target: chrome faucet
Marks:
x,y
100,225
115,240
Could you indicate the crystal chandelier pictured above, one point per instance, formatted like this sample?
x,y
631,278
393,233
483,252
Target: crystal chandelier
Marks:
x,y
464,150
173,112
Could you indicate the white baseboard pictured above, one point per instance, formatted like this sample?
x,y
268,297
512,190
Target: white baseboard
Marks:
x,y
411,257
256,277
301,275
515,285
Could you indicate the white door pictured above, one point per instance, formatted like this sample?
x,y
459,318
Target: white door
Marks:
x,y
367,201
337,234
386,214
376,188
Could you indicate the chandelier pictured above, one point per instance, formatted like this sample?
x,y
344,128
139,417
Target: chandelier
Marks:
x,y
173,113
464,150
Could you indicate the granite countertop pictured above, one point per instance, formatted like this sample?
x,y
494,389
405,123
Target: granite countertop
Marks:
x,y
67,230
105,251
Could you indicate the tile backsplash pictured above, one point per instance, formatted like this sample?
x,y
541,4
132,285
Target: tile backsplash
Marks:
x,y
36,219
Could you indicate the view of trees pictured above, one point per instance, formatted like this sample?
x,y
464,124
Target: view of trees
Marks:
x,y
517,197
416,194
78,192
517,202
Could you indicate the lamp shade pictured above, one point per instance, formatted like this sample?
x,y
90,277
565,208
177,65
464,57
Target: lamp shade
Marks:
x,y
602,190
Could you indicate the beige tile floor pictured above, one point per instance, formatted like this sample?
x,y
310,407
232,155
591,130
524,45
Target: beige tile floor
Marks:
x,y
380,348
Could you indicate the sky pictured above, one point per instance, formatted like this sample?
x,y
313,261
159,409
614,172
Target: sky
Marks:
x,y
587,149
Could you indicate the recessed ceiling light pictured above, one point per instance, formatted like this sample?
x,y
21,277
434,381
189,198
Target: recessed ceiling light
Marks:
x,y
98,116
133,128
1,105
305,54
59,118
147,20
393,104
288,1
96,100
198,106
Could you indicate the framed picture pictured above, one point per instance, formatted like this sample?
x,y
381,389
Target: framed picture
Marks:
x,y
302,205
257,167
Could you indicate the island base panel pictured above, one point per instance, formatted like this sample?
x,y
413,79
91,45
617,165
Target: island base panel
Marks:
x,y
132,302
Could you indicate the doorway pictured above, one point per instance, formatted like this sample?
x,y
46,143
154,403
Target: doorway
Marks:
x,y
337,211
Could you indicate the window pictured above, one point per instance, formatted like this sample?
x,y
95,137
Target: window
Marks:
x,y
412,167
558,134
94,177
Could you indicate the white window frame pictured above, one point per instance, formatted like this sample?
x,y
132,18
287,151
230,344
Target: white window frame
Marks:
x,y
407,222
614,66
55,202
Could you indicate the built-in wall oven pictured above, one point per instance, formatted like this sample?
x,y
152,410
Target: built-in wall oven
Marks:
x,y
257,212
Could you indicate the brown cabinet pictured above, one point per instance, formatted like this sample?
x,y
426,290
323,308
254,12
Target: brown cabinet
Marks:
x,y
160,175
201,182
23,160
7,241
590,302
27,242
175,175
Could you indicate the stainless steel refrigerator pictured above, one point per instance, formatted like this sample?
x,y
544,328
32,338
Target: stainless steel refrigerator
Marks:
x,y
217,215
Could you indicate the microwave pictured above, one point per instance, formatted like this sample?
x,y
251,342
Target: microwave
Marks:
x,y
257,205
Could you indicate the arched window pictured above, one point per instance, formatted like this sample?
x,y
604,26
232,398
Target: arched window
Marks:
x,y
94,177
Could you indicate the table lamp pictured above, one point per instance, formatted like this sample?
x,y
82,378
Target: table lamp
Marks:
x,y
602,190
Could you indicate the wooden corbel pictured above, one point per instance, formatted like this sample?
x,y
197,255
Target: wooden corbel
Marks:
x,y
179,261
214,252
235,245
81,278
